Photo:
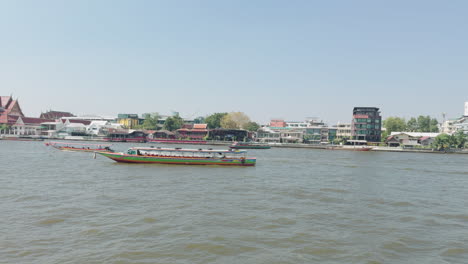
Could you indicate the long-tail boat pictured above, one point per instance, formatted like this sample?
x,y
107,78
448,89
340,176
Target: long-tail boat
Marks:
x,y
248,145
79,147
182,156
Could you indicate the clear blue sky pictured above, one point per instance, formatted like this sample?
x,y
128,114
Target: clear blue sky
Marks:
x,y
269,59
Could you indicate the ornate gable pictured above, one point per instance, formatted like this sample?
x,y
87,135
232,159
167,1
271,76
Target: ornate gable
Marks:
x,y
14,108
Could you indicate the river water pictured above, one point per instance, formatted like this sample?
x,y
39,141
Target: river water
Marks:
x,y
295,206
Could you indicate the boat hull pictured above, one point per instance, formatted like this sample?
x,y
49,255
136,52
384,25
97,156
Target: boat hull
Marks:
x,y
250,147
144,159
79,149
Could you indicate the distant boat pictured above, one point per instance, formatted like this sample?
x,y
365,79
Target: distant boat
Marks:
x,y
21,138
177,141
247,145
78,147
182,156
362,148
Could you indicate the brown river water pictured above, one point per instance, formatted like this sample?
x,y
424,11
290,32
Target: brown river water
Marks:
x,y
295,206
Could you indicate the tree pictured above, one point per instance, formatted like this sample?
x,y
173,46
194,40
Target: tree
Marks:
x,y
394,124
434,126
151,122
227,122
173,123
460,139
442,142
235,120
445,141
412,125
199,120
384,136
252,126
424,123
214,120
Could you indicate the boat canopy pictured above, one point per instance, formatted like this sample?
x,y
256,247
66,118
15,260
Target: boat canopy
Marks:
x,y
189,150
79,144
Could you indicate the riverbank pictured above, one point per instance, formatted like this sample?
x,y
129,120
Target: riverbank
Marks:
x,y
273,145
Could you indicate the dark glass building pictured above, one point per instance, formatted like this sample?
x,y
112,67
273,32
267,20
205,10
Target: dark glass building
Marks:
x,y
366,124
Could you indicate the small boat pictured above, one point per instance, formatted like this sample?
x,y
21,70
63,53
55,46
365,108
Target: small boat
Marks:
x,y
362,148
78,147
182,156
177,141
248,145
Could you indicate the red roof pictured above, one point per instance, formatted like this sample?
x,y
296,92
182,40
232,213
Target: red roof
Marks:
x,y
4,101
424,138
34,120
78,121
200,126
55,115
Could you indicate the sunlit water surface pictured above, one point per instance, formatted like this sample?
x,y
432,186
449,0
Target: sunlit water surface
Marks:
x,y
295,206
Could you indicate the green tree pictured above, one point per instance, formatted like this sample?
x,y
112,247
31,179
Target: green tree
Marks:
x,y
384,136
442,142
424,123
445,141
434,125
173,123
150,122
393,124
199,120
460,139
412,125
252,126
214,120
235,120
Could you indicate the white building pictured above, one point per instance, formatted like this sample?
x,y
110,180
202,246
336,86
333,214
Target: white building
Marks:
x,y
343,130
466,109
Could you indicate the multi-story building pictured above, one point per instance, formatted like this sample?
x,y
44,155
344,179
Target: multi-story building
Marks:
x,y
457,124
366,124
343,131
277,123
128,120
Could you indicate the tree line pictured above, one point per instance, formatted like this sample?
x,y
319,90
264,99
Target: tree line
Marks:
x,y
455,141
414,124
232,120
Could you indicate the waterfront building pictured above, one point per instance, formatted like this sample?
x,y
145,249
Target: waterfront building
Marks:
x,y
366,124
125,135
128,120
457,124
410,139
101,127
292,135
224,134
162,134
10,110
277,123
267,135
316,135
55,115
27,126
320,135
466,110
297,124
193,132
343,131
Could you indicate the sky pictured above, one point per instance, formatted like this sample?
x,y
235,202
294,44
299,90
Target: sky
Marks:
x,y
266,58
